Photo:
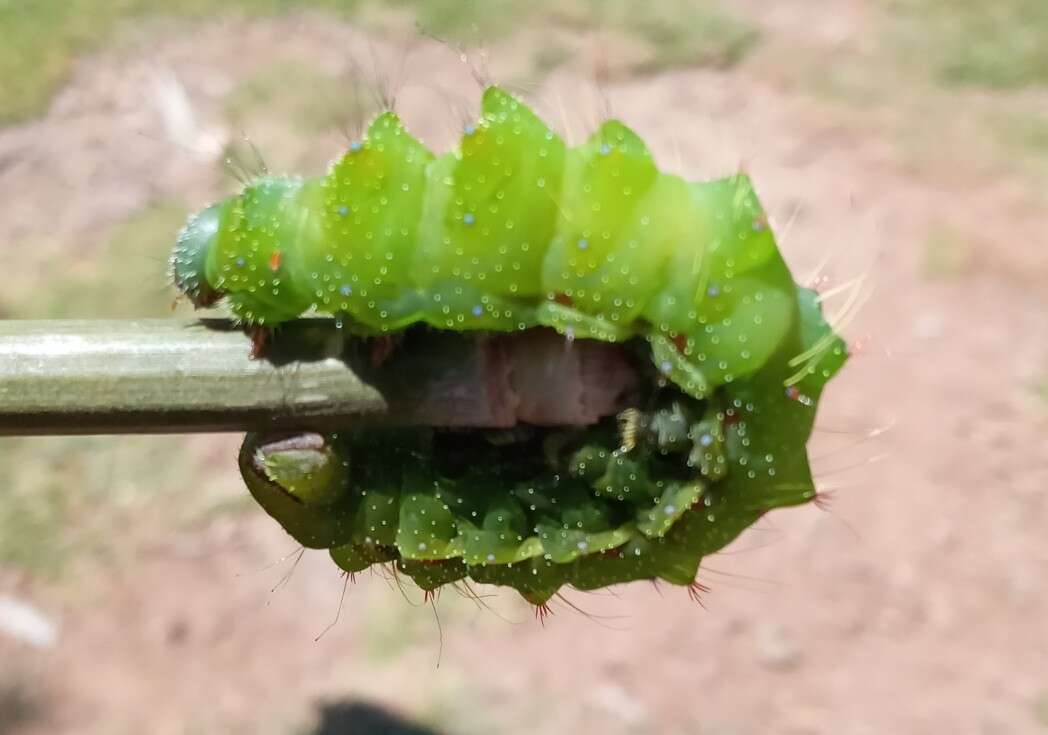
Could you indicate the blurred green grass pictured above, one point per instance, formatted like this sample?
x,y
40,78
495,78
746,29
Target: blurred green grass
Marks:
x,y
124,277
958,86
70,499
288,105
43,38
308,100
456,704
1040,709
1002,44
995,43
674,32
947,253
682,33
394,625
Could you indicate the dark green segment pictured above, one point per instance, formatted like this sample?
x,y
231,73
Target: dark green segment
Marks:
x,y
189,258
585,508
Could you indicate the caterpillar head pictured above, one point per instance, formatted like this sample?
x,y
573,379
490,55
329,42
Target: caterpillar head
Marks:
x,y
189,258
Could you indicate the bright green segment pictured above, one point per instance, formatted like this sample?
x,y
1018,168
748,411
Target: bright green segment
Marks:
x,y
249,259
512,230
370,206
729,298
588,514
489,217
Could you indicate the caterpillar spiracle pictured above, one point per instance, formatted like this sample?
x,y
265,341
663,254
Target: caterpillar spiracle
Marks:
x,y
512,231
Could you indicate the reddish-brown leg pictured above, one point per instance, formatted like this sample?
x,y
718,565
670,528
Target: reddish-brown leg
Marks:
x,y
381,349
259,340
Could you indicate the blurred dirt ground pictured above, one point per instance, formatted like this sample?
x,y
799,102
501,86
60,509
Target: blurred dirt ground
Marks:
x,y
915,604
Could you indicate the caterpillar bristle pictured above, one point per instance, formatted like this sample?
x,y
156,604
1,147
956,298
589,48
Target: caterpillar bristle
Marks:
x,y
542,612
695,592
346,579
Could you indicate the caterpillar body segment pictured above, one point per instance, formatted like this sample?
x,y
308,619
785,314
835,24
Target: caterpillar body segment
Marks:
x,y
491,213
511,231
371,206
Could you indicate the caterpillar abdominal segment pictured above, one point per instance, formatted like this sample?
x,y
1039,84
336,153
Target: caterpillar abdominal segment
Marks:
x,y
516,231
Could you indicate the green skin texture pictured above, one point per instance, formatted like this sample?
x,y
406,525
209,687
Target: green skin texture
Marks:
x,y
593,517
514,231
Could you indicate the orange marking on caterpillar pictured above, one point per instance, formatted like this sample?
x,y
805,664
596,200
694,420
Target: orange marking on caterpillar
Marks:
x,y
563,299
275,259
681,343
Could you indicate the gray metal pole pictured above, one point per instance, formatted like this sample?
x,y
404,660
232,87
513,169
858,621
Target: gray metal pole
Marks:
x,y
176,376
162,376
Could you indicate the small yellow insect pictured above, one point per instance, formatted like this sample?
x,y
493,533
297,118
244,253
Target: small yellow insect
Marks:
x,y
631,422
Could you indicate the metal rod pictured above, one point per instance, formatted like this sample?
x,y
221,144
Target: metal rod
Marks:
x,y
161,376
176,376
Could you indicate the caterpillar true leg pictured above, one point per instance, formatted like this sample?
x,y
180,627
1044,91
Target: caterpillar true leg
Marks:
x,y
259,339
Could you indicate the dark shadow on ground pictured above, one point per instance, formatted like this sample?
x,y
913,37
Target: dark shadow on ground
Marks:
x,y
18,708
364,718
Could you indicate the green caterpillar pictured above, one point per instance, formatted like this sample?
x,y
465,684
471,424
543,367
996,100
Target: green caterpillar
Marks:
x,y
512,231
517,231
